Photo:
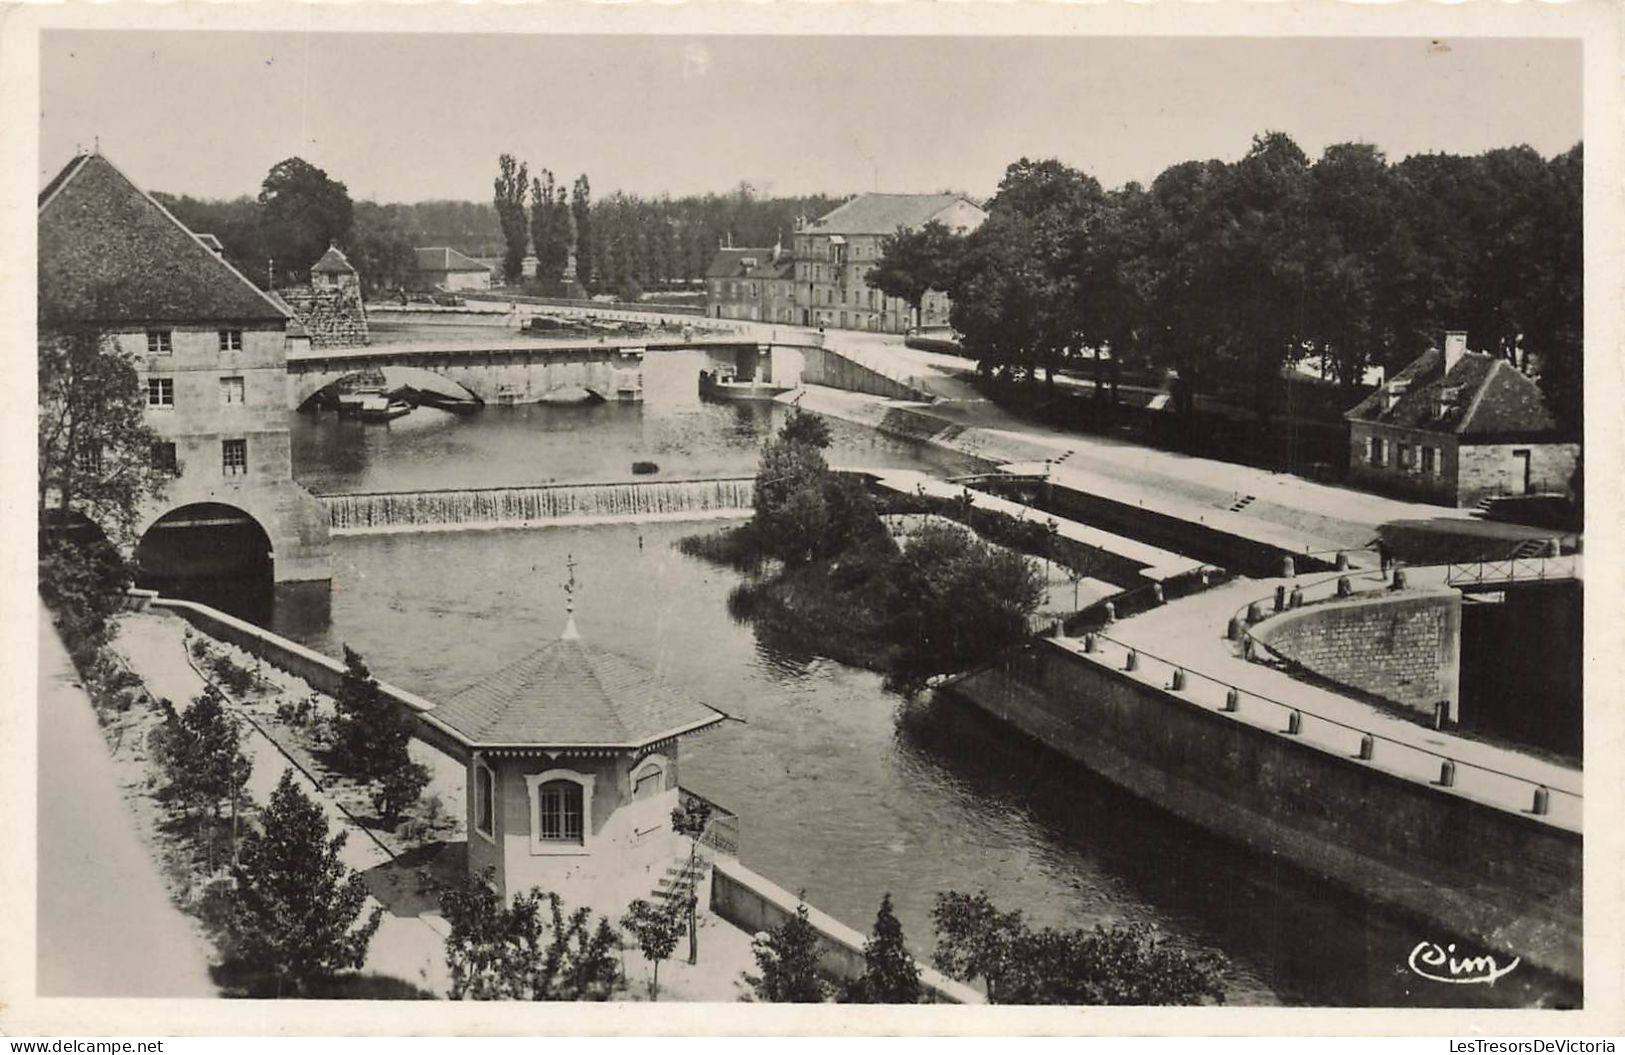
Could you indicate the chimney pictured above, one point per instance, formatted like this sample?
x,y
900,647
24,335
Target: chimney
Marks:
x,y
1455,346
778,246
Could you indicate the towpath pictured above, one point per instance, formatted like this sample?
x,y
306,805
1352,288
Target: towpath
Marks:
x,y
106,926
1191,634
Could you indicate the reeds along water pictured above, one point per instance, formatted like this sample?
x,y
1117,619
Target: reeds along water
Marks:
x,y
428,510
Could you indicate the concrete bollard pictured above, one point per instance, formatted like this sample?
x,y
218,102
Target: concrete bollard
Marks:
x,y
1280,598
1132,661
1111,612
1399,580
1236,629
1232,701
1089,643
1342,561
1368,746
1289,568
1447,774
1296,600
1178,684
1255,613
1440,710
1202,575
1543,802
1156,593
1345,588
1294,723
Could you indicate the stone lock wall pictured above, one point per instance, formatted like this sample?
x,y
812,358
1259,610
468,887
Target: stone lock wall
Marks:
x,y
334,316
1490,469
1404,647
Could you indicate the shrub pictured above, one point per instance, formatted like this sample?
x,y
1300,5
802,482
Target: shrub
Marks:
x,y
787,957
398,789
508,951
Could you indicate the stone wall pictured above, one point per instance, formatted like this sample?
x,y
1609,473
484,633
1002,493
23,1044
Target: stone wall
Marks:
x,y
334,316
1404,647
1508,881
1490,469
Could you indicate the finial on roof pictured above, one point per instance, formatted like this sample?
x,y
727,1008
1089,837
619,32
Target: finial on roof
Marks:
x,y
570,632
98,147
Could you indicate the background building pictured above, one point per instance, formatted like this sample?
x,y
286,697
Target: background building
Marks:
x,y
754,284
1455,427
443,268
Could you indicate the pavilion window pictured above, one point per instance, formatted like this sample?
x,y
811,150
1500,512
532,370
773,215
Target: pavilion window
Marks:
x,y
485,797
649,782
559,811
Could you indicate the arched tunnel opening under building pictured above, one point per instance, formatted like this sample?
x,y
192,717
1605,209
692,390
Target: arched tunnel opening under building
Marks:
x,y
211,553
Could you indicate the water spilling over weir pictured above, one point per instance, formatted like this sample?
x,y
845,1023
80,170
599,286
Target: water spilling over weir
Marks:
x,y
394,511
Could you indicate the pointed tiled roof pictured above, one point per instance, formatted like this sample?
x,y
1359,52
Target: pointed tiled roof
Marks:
x,y
444,258
884,213
334,262
568,694
1483,395
109,253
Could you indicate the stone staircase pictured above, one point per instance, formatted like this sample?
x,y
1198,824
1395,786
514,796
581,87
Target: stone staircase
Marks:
x,y
682,878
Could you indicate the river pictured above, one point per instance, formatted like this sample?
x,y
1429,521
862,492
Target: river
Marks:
x,y
844,790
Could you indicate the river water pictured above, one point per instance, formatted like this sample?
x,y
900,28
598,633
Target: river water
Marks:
x,y
844,790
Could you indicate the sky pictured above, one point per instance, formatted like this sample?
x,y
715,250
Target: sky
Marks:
x,y
412,117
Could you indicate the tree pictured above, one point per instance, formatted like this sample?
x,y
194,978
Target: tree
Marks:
x,y
371,733
1100,965
787,957
510,205
302,212
293,916
95,453
656,928
955,601
501,951
202,757
890,975
549,230
912,263
690,820
379,248
581,210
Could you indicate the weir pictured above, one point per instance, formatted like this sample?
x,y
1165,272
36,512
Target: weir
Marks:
x,y
388,511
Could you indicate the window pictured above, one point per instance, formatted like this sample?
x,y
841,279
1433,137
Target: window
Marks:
x,y
160,342
1430,460
1378,455
88,459
1404,460
485,797
234,457
163,459
160,391
231,340
649,781
231,389
559,812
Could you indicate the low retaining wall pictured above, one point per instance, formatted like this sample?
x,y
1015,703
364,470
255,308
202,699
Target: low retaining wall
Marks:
x,y
830,368
1401,647
323,672
755,904
1510,882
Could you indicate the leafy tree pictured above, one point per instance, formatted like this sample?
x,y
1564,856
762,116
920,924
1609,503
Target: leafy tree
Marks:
x,y
95,452
955,601
549,230
787,957
581,210
500,951
690,820
82,578
912,263
202,757
809,429
890,975
510,206
371,733
302,212
1100,965
380,249
293,917
657,929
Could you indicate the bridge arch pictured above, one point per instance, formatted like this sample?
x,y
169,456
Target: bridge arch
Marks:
x,y
309,387
207,551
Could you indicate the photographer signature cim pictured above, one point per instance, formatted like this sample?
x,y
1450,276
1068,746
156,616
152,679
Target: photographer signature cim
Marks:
x,y
1441,964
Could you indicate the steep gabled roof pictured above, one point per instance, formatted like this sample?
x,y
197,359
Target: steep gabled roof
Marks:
x,y
731,263
334,262
1483,395
443,258
109,253
569,695
885,213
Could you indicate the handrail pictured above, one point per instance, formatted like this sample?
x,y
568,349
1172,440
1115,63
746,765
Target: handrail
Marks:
x,y
1293,708
1482,571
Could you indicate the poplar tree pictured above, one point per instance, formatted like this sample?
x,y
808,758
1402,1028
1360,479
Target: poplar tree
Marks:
x,y
581,209
510,206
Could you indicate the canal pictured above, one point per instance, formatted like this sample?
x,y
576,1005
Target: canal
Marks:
x,y
845,791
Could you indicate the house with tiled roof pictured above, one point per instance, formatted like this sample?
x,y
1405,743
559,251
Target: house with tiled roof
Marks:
x,y
835,253
571,755
1456,427
210,351
444,268
754,284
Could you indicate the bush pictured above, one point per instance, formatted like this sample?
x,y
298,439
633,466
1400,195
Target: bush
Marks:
x,y
787,957
500,950
398,789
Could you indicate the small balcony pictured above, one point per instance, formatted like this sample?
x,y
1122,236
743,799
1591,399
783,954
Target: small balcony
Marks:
x,y
721,831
